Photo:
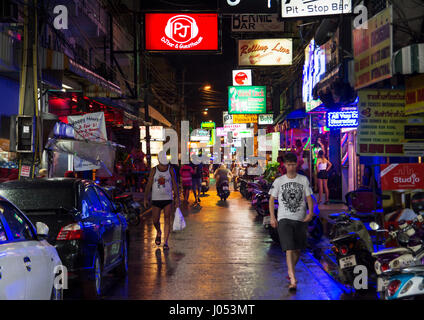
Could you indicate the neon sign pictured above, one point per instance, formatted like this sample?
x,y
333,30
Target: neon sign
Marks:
x,y
343,119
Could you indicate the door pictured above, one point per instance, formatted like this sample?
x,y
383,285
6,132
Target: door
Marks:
x,y
33,256
114,224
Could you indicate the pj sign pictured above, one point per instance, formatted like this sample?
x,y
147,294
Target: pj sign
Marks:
x,y
181,32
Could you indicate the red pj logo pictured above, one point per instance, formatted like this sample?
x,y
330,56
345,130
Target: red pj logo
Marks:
x,y
181,28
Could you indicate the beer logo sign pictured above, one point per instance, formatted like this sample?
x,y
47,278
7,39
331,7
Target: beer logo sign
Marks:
x,y
181,29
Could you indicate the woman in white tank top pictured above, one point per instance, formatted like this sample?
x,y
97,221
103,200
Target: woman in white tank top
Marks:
x,y
163,187
323,166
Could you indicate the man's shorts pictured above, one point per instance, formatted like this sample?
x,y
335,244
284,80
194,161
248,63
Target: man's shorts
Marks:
x,y
197,183
293,234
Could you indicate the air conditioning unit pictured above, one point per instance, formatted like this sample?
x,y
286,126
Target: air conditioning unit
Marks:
x,y
8,11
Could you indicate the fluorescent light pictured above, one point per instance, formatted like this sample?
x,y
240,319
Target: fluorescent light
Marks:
x,y
66,86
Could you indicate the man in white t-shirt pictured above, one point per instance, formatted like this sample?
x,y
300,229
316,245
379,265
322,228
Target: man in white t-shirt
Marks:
x,y
291,190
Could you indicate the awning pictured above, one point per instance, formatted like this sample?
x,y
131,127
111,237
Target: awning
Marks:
x,y
153,113
409,60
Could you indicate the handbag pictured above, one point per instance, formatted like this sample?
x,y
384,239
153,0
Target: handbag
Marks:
x,y
179,222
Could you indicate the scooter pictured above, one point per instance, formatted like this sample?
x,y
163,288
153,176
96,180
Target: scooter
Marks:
x,y
408,283
352,245
205,180
223,190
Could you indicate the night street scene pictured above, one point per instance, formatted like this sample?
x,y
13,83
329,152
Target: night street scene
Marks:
x,y
212,154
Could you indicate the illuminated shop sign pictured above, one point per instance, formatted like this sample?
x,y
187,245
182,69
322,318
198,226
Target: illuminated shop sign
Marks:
x,y
266,119
309,8
313,69
265,52
342,119
208,125
248,100
242,77
181,32
200,135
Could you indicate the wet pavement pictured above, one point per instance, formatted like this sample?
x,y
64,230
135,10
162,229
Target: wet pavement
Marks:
x,y
223,253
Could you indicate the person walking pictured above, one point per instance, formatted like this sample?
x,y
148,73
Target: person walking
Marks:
x,y
186,174
163,188
291,190
323,166
197,181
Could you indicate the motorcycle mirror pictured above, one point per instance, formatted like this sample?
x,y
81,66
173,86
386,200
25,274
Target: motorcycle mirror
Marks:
x,y
374,226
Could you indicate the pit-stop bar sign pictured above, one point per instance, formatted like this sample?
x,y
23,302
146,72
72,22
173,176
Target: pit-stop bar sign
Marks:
x,y
309,8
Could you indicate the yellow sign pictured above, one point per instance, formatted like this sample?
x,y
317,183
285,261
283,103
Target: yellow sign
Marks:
x,y
372,49
382,122
245,118
415,95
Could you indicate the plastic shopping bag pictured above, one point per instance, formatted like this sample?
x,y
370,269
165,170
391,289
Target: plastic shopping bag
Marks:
x,y
179,223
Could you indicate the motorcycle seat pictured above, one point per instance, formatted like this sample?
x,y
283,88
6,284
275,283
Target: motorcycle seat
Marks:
x,y
391,251
345,237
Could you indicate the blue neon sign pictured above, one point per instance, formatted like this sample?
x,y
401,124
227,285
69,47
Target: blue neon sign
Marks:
x,y
343,119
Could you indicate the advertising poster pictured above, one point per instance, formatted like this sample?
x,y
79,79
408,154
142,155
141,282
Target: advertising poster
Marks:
x,y
402,185
246,100
181,32
91,126
373,49
415,95
382,122
265,52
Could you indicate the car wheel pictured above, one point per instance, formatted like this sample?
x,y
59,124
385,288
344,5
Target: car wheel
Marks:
x,y
93,286
122,269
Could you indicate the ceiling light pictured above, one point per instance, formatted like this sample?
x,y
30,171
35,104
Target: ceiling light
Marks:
x,y
66,86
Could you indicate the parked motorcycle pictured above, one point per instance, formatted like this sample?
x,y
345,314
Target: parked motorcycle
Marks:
x,y
407,284
205,180
352,245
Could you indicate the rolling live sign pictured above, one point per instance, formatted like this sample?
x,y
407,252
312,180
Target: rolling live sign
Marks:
x,y
373,50
402,176
265,52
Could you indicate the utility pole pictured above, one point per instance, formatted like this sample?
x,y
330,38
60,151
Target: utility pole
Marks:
x,y
28,125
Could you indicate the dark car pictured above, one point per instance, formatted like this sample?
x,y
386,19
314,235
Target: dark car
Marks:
x,y
88,230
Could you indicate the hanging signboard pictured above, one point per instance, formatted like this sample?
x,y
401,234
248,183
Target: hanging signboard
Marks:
x,y
234,127
265,52
256,23
304,8
402,176
181,32
265,119
245,118
227,118
415,95
242,77
248,100
90,126
342,119
156,133
382,122
208,125
248,6
200,135
373,49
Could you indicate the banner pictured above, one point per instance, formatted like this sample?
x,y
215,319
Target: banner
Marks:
x,y
382,122
415,95
373,49
265,52
90,126
256,23
245,118
402,176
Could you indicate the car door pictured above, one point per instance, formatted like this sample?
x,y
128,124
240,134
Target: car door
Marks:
x,y
33,259
12,273
114,227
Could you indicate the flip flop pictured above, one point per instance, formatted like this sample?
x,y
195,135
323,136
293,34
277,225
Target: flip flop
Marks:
x,y
292,287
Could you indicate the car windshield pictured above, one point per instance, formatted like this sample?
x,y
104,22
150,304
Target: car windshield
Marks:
x,y
40,199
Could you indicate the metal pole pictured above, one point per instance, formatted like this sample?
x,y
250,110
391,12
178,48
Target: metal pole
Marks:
x,y
310,149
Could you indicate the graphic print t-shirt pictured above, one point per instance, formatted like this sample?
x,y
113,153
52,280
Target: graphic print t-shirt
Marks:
x,y
291,195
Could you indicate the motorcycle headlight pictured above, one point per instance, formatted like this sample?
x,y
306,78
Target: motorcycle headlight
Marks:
x,y
407,286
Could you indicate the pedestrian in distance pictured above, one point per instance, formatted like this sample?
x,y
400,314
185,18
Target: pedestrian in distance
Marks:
x,y
291,190
186,174
163,188
197,181
323,166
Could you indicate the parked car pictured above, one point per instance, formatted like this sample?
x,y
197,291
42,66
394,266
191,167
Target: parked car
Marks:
x,y
88,230
28,263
